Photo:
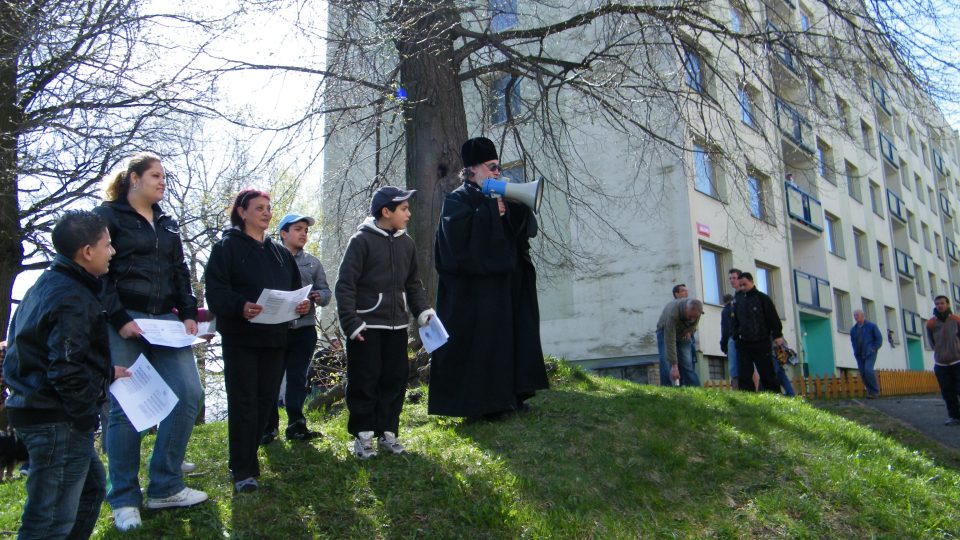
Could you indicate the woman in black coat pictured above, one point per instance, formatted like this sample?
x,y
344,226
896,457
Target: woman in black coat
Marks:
x,y
242,264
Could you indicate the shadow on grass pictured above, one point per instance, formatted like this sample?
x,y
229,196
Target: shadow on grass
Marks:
x,y
694,462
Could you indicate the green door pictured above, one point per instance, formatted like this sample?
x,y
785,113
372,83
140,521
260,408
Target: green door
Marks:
x,y
817,344
915,354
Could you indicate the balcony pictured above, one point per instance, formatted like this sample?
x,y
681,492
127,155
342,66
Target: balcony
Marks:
x,y
898,208
813,292
938,163
889,151
945,206
880,94
956,293
782,46
904,263
793,124
803,207
951,248
913,323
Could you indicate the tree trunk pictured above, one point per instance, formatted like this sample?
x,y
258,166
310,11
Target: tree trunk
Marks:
x,y
436,124
11,248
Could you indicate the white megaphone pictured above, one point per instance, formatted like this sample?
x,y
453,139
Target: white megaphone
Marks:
x,y
530,193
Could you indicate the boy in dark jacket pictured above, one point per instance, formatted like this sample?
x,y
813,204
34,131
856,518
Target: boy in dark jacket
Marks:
x,y
378,276
58,370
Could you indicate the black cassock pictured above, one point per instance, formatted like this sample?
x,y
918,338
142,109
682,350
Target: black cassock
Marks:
x,y
487,300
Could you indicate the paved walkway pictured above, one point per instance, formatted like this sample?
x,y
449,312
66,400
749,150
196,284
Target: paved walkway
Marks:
x,y
925,413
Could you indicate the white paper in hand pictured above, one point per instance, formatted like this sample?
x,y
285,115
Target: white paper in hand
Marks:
x,y
433,335
279,306
144,395
166,333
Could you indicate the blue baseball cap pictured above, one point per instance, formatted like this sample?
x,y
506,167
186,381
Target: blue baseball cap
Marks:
x,y
293,218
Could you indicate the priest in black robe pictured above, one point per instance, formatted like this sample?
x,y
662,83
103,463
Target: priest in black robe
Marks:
x,y
487,298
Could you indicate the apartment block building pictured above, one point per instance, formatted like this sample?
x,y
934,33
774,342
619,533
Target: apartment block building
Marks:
x,y
837,189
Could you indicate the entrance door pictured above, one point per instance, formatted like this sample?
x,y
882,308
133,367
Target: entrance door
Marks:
x,y
817,344
915,354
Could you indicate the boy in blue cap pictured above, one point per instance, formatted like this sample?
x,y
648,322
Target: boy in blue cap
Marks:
x,y
302,339
378,277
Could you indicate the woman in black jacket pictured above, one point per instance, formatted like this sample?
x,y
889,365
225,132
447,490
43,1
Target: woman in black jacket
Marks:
x,y
242,264
148,278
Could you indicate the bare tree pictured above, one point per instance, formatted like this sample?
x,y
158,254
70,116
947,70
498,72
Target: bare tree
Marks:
x,y
83,83
401,79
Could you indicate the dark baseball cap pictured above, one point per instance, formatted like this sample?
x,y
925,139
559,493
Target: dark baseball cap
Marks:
x,y
387,195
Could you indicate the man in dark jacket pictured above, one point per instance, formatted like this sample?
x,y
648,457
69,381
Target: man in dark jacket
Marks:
x,y
866,340
486,298
756,328
943,329
58,370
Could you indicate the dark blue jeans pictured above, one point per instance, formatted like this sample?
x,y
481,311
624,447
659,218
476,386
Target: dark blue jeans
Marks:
x,y
301,344
686,357
949,379
865,367
66,484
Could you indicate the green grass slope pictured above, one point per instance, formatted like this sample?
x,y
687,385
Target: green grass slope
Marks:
x,y
597,458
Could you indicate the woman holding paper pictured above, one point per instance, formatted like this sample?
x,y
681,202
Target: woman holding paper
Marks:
x,y
148,279
242,265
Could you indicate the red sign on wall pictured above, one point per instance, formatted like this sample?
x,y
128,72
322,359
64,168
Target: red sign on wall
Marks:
x,y
703,230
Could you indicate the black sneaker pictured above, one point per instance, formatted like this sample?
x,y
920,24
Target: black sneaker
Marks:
x,y
952,422
300,432
268,438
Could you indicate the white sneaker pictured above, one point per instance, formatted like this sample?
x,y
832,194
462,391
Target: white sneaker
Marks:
x,y
390,443
186,497
363,445
127,518
187,467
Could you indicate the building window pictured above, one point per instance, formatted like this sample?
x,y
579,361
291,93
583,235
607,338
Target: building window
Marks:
x,y
693,69
843,112
869,309
853,182
736,19
912,225
499,90
825,162
705,180
860,246
503,14
932,281
919,185
805,18
757,199
883,256
815,89
876,199
866,132
841,309
918,278
766,282
718,368
938,245
925,233
893,336
834,235
711,265
933,200
747,107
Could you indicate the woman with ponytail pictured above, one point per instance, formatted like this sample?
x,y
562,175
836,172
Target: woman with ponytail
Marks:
x,y
148,279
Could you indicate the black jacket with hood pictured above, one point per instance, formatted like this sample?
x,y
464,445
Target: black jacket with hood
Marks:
x,y
239,269
148,272
378,277
58,361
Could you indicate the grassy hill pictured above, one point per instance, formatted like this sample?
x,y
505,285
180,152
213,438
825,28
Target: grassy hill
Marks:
x,y
597,458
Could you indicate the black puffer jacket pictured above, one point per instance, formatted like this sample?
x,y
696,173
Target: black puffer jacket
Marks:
x,y
148,272
755,318
58,361
239,269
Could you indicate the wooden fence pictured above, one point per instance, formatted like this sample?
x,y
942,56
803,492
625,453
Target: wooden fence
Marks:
x,y
892,383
